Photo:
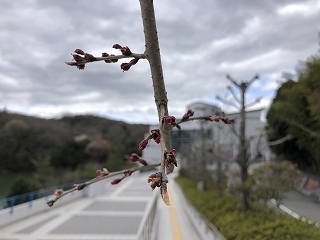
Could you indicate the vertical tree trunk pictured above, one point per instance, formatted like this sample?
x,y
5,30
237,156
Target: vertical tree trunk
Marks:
x,y
152,53
242,157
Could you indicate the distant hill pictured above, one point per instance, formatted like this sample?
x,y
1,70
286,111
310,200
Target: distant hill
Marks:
x,y
23,137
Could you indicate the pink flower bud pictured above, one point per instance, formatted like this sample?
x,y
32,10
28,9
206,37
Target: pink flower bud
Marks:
x,y
143,144
104,54
227,120
170,119
116,181
116,46
126,51
125,66
216,119
134,157
155,135
89,57
188,114
157,139
78,58
79,51
210,118
79,186
134,61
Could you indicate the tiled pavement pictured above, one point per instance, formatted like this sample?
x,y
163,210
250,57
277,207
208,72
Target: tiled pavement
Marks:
x,y
116,214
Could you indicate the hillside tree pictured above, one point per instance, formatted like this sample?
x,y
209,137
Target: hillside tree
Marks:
x,y
295,111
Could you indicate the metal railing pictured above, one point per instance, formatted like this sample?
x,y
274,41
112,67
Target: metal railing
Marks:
x,y
29,197
149,223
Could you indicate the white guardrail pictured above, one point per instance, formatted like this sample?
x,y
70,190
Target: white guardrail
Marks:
x,y
205,229
147,229
150,220
18,212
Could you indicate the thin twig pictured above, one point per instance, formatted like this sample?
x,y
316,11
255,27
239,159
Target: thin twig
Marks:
x,y
99,178
96,59
206,118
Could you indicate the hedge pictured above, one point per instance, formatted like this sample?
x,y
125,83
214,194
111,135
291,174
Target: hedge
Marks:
x,y
259,223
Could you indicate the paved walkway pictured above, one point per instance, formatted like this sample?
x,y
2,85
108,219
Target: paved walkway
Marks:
x,y
302,205
174,223
117,214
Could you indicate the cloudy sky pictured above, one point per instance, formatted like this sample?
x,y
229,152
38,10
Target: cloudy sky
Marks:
x,y
200,41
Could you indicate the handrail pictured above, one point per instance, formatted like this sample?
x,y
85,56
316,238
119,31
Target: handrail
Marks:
x,y
13,201
148,223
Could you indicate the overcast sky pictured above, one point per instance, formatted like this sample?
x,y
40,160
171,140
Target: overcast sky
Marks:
x,y
200,42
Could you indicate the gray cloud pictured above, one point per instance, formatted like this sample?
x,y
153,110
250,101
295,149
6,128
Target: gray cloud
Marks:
x,y
200,42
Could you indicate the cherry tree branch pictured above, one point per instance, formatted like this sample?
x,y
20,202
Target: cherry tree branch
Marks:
x,y
105,174
152,54
112,57
162,135
207,118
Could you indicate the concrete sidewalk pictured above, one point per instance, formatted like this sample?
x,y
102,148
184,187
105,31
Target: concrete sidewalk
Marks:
x,y
173,222
302,205
115,214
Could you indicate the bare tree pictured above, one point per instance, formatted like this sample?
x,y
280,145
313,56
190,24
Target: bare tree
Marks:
x,y
242,159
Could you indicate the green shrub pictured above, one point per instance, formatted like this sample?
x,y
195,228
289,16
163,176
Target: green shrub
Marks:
x,y
259,223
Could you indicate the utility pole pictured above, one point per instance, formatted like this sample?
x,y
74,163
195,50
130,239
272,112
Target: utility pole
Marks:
x,y
242,157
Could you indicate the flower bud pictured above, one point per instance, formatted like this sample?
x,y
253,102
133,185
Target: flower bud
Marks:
x,y
143,144
134,61
211,118
126,51
125,66
216,119
188,114
164,194
78,58
155,135
170,119
79,51
79,186
134,157
104,54
89,57
116,46
155,180
157,139
116,181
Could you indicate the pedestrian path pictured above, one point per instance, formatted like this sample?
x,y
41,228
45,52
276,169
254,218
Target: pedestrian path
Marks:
x,y
118,213
174,223
302,206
